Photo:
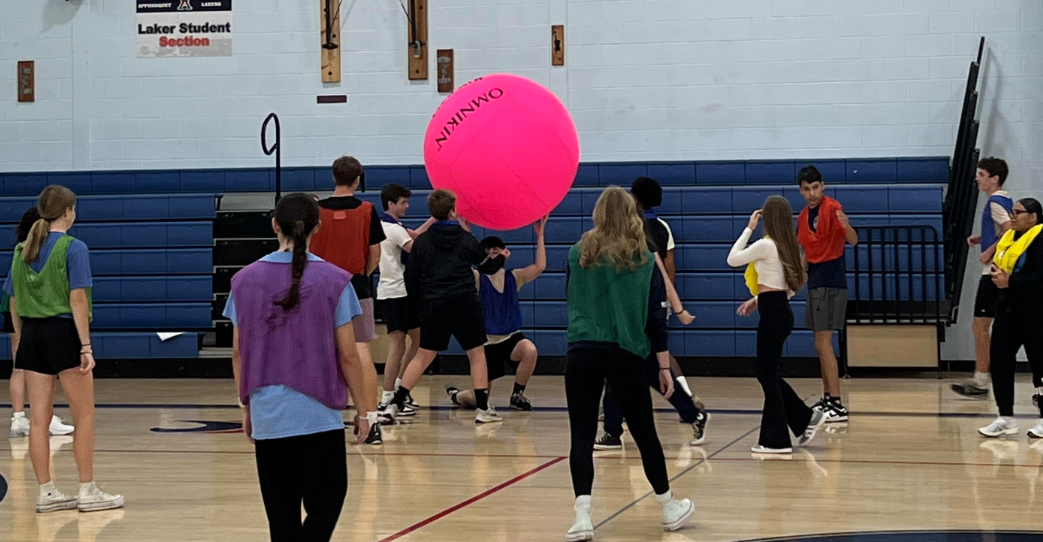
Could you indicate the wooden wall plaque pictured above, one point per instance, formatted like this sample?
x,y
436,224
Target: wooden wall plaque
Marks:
x,y
330,47
557,45
416,36
444,58
26,81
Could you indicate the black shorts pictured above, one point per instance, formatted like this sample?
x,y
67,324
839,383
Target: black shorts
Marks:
x,y
48,345
458,316
399,314
8,323
987,298
498,355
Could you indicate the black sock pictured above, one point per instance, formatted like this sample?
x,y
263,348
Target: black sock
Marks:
x,y
400,397
482,398
518,388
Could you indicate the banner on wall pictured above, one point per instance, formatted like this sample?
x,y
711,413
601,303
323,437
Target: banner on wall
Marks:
x,y
180,28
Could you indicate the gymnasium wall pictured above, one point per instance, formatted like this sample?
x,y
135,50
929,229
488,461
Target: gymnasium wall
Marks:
x,y
644,79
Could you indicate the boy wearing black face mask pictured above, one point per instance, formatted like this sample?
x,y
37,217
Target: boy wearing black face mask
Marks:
x,y
498,291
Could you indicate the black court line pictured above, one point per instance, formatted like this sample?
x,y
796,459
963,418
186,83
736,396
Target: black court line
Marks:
x,y
662,410
680,474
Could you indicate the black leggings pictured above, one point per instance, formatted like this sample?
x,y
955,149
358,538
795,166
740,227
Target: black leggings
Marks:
x,y
783,408
680,400
589,366
1009,333
312,469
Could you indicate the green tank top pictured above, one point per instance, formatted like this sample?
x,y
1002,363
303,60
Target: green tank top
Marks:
x,y
45,294
609,306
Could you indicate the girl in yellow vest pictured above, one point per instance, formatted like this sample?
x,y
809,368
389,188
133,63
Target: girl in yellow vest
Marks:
x,y
50,288
1017,270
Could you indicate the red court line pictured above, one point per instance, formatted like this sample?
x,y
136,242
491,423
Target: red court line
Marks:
x,y
472,500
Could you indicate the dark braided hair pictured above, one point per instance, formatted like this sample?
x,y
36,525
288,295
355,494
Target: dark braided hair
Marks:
x,y
297,216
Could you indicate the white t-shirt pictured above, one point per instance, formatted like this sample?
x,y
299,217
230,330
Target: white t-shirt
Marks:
x,y
392,283
999,218
670,235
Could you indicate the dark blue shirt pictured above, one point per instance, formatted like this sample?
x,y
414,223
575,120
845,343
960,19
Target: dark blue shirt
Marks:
x,y
831,274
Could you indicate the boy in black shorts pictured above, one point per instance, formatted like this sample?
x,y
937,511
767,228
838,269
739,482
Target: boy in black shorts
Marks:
x,y
440,271
498,291
400,313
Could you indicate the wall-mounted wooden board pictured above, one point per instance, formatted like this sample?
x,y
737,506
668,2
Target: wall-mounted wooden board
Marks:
x,y
26,81
557,45
331,48
444,59
417,49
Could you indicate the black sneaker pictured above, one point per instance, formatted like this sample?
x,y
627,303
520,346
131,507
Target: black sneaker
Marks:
x,y
822,404
520,402
970,388
411,403
374,437
451,390
608,442
699,427
835,411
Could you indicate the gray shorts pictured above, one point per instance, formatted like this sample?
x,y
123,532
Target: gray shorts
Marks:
x,y
826,309
364,324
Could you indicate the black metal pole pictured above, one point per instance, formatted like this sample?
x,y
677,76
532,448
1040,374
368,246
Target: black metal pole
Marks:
x,y
277,149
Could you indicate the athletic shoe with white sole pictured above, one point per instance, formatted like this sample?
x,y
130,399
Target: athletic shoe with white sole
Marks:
x,y
375,437
54,501
818,419
582,529
488,415
411,403
520,402
608,442
972,389
676,512
93,499
699,428
19,426
58,428
1037,431
758,449
1000,427
451,390
835,411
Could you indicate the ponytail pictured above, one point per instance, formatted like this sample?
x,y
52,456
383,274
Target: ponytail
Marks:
x,y
300,262
34,243
297,216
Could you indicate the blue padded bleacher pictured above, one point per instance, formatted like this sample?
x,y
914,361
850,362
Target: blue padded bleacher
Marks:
x,y
930,170
152,261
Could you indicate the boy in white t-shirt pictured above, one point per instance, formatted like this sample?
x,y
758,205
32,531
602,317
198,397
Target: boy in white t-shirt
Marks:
x,y
400,313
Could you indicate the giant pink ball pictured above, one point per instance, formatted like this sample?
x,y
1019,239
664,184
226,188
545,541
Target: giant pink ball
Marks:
x,y
506,146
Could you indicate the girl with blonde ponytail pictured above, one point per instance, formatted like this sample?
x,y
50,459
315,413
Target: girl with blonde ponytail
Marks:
x,y
50,289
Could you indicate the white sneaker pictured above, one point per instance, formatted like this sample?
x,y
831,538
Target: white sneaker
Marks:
x,y
818,418
58,428
583,528
758,449
1037,431
487,416
19,427
676,513
93,499
999,427
54,501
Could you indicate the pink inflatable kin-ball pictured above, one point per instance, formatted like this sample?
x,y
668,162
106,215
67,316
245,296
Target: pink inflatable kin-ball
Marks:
x,y
506,146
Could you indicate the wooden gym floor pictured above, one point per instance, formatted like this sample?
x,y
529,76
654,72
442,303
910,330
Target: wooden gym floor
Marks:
x,y
910,459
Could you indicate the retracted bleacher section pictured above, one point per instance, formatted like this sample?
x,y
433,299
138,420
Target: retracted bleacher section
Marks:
x,y
152,261
154,268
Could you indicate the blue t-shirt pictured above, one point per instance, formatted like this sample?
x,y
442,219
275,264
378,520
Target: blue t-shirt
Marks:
x,y
78,265
280,411
831,274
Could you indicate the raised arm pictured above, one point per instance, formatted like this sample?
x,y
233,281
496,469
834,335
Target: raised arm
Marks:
x,y
529,273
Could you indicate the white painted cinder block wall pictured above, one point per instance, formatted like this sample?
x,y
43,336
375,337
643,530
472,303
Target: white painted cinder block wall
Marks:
x,y
644,79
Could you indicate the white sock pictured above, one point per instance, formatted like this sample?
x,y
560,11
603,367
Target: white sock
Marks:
x,y
48,488
583,500
684,385
398,383
387,396
18,415
665,497
1039,391
981,378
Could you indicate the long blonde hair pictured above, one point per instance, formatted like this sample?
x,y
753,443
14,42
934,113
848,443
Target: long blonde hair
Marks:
x,y
778,224
54,201
618,236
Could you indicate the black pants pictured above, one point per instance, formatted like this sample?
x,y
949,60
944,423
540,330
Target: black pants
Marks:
x,y
783,408
589,366
681,401
1010,332
312,469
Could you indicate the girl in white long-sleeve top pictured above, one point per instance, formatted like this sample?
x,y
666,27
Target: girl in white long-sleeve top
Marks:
x,y
775,274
